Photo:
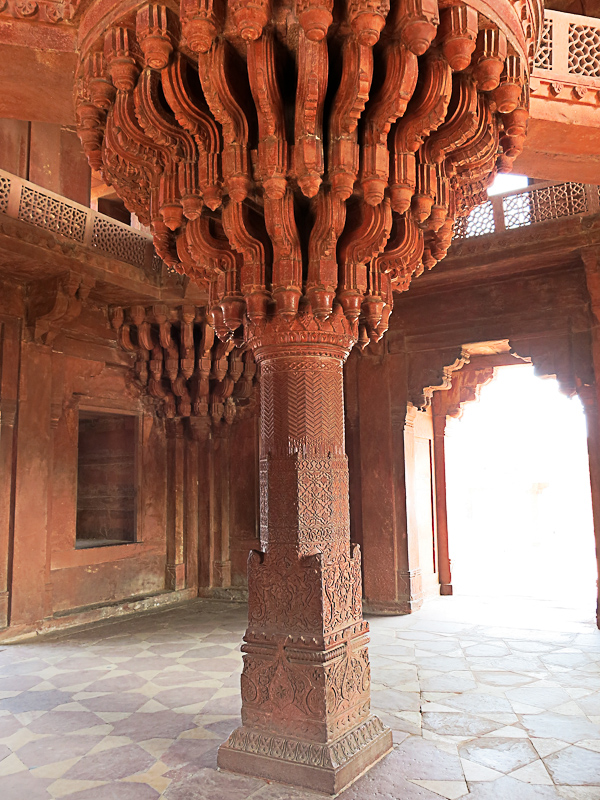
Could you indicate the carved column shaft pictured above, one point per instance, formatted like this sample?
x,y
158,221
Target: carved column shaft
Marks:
x,y
306,678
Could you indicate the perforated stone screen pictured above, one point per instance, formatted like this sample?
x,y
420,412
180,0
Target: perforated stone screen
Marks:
x,y
543,58
47,212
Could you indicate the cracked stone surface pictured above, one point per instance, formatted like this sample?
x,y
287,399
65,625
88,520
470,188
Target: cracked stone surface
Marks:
x,y
488,699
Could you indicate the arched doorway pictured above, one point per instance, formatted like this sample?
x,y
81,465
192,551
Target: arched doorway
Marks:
x,y
520,519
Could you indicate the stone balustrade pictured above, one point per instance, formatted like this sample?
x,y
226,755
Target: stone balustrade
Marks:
x,y
25,201
567,63
538,202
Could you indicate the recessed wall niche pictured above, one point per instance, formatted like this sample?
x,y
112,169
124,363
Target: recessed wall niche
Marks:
x,y
106,480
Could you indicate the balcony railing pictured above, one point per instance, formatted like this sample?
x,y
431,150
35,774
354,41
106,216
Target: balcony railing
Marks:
x,y
539,202
29,203
569,54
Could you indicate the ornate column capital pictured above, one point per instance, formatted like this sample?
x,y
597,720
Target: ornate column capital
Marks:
x,y
306,333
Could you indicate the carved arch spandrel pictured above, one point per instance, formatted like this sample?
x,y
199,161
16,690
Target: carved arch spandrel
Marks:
x,y
465,387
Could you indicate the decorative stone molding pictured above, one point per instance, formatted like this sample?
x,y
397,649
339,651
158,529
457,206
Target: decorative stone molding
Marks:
x,y
49,11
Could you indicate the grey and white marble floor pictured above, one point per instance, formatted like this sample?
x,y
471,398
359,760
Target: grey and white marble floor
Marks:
x,y
488,699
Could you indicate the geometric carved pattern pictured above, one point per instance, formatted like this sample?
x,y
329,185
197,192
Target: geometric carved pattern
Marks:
x,y
541,205
517,210
584,50
4,192
47,212
526,208
543,57
479,222
311,389
119,242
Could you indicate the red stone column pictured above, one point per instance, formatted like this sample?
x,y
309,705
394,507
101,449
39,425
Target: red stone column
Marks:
x,y
306,680
589,399
441,510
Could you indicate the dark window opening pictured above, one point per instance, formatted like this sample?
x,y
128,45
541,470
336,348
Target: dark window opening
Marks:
x,y
115,208
106,480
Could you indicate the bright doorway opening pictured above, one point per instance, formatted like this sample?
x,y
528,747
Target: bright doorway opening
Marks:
x,y
518,493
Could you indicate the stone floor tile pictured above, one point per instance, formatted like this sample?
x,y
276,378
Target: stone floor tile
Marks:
x,y
34,701
507,788
508,678
112,764
458,724
62,722
546,747
477,772
509,732
451,790
276,791
538,696
477,703
24,786
418,759
559,726
115,701
504,755
579,792
63,788
447,683
534,773
116,791
208,784
590,703
56,748
391,700
381,784
574,766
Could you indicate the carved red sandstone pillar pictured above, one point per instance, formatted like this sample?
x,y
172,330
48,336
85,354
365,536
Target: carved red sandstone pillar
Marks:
x,y
306,678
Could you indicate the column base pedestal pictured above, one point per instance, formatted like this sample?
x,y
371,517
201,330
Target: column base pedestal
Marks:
x,y
327,768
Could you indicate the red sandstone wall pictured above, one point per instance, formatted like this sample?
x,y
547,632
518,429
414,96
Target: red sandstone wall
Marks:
x,y
196,495
47,154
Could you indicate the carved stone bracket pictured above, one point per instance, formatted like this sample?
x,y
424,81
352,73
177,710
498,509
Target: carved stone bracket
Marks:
x,y
180,363
54,303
